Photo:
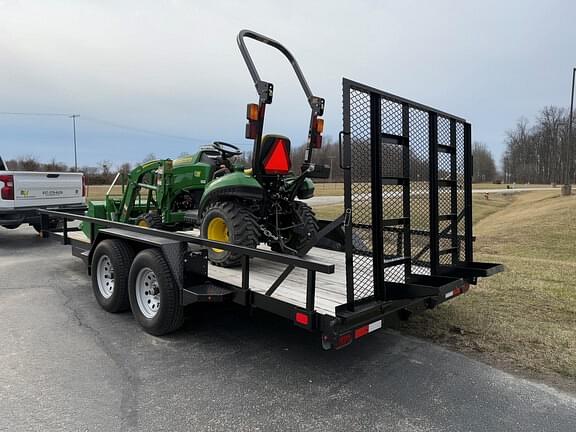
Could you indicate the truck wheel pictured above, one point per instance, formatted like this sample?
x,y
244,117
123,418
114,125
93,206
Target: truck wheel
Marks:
x,y
11,227
303,237
229,222
110,268
53,224
154,295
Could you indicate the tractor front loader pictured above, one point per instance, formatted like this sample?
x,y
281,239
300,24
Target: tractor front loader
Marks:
x,y
224,199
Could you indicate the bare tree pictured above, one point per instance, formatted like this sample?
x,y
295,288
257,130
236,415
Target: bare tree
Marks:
x,y
534,153
484,169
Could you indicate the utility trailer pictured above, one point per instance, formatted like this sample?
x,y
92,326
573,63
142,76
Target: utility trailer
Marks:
x,y
403,243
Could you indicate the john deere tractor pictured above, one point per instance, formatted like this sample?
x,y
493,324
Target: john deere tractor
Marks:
x,y
225,200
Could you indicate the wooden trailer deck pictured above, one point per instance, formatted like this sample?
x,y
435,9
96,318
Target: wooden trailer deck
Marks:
x,y
330,288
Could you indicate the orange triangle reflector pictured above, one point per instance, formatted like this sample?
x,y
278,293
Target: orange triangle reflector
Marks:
x,y
278,161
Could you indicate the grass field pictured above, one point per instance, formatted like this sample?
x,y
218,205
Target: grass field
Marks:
x,y
524,318
98,192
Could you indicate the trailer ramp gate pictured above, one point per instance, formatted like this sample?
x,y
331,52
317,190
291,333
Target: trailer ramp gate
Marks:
x,y
407,196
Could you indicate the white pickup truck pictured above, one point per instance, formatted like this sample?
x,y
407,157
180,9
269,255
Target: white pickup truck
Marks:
x,y
23,192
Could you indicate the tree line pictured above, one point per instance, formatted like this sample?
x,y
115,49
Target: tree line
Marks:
x,y
539,153
329,155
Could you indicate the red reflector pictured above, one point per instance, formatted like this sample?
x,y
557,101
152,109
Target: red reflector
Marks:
x,y
278,161
343,340
361,331
302,318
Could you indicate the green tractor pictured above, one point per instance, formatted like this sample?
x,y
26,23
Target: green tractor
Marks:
x,y
226,201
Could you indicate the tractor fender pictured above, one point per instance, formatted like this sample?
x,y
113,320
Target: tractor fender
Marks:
x,y
236,185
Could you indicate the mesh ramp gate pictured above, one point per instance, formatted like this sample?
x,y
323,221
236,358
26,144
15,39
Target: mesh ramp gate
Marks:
x,y
407,194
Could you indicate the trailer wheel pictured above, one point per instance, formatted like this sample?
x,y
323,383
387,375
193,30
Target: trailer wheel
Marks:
x,y
110,268
153,293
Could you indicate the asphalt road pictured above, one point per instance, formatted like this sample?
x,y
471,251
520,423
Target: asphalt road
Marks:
x,y
66,365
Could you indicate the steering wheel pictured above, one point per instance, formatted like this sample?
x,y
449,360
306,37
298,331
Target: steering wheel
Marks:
x,y
227,150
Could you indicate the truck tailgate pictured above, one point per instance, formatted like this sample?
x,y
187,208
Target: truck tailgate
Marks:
x,y
33,189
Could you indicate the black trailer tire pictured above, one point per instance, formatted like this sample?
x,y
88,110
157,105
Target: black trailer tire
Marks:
x,y
305,236
110,268
154,294
237,225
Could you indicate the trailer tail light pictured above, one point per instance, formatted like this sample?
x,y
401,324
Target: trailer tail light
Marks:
x,y
278,160
7,191
368,328
343,340
302,319
455,292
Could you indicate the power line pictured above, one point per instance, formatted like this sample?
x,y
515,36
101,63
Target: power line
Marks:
x,y
150,132
140,130
116,125
37,114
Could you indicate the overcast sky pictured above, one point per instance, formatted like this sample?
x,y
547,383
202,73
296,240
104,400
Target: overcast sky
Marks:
x,y
173,67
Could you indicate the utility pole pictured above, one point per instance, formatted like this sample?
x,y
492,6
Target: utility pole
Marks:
x,y
567,188
331,179
73,117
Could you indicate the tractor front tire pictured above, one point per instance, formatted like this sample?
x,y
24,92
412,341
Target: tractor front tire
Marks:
x,y
229,222
149,220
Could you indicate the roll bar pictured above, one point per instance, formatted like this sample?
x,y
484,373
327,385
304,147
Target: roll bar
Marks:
x,y
265,89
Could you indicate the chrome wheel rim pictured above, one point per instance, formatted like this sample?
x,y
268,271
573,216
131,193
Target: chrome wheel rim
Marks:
x,y
147,292
105,276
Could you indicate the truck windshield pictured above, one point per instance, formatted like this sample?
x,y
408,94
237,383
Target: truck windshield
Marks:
x,y
3,165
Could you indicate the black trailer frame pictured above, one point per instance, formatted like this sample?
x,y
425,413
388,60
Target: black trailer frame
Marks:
x,y
394,265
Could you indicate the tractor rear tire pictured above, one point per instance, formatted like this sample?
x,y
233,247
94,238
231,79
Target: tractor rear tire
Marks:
x,y
229,222
305,236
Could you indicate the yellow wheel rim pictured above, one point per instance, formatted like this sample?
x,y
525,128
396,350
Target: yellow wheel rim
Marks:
x,y
143,223
217,230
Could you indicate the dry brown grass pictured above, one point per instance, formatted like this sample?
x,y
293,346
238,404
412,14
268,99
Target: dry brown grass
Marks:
x,y
525,317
